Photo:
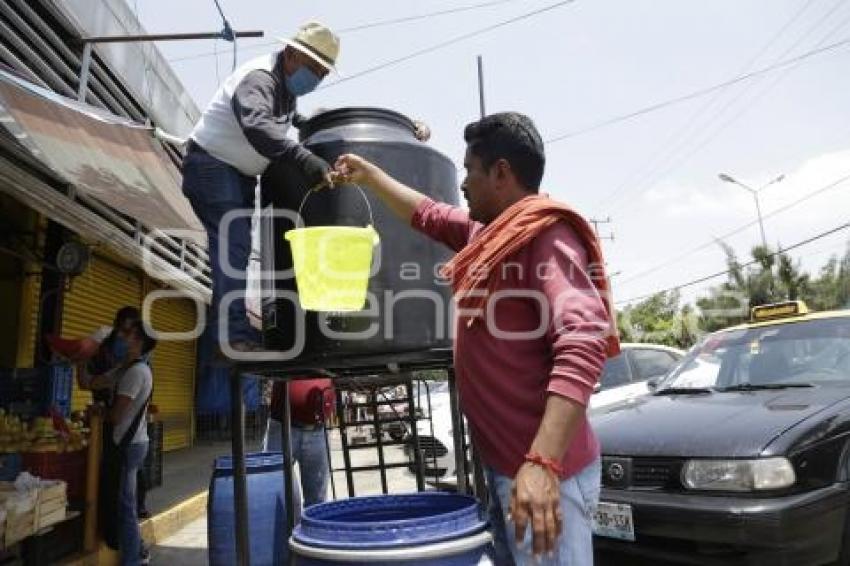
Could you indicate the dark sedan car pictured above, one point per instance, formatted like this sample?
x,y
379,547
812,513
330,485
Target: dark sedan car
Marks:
x,y
742,456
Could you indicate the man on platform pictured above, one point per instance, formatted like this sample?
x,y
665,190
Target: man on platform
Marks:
x,y
241,132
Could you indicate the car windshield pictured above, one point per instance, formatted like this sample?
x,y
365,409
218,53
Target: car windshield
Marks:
x,y
783,355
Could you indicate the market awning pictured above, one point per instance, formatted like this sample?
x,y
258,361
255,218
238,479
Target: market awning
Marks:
x,y
112,159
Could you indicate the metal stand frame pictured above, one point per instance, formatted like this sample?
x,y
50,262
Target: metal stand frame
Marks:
x,y
283,372
370,389
240,487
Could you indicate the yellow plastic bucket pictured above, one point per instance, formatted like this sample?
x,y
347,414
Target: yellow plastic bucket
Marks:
x,y
332,265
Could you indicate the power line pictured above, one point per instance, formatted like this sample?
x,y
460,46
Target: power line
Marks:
x,y
447,43
738,230
685,131
747,264
227,35
695,94
361,27
681,158
407,19
220,11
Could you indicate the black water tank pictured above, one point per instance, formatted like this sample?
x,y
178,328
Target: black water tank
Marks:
x,y
409,307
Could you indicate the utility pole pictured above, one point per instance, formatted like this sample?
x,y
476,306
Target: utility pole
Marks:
x,y
596,222
481,86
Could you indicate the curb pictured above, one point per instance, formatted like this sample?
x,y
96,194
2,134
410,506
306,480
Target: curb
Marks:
x,y
165,524
154,531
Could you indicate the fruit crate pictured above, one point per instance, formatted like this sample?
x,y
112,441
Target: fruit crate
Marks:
x,y
31,392
69,467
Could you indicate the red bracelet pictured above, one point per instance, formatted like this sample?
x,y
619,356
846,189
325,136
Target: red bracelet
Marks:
x,y
547,463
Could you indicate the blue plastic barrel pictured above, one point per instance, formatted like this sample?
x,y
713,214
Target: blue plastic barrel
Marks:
x,y
421,529
266,511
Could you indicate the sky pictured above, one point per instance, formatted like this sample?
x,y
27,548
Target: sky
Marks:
x,y
580,64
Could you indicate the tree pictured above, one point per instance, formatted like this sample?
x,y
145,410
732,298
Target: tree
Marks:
x,y
831,289
685,330
770,278
659,320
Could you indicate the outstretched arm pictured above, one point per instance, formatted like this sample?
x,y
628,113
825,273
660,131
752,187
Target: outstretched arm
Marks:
x,y
400,198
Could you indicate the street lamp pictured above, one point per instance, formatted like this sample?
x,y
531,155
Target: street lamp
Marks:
x,y
755,192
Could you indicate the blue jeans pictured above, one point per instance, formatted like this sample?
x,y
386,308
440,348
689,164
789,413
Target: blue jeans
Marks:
x,y
310,450
579,496
131,536
215,188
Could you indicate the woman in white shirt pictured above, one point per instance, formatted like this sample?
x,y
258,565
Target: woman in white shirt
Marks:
x,y
129,430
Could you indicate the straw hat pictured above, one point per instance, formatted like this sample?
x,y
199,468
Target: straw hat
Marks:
x,y
317,42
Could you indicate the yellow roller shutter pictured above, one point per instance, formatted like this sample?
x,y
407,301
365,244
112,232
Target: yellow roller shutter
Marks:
x,y
174,371
94,298
29,307
28,317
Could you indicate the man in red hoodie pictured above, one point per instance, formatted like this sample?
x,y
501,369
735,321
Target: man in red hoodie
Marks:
x,y
534,329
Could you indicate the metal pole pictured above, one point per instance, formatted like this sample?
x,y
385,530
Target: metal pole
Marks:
x,y
457,434
414,436
481,85
379,439
330,461
343,440
761,223
479,484
479,481
85,67
431,424
288,465
346,453
240,488
167,37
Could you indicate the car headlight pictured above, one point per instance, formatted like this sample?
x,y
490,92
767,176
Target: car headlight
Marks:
x,y
738,475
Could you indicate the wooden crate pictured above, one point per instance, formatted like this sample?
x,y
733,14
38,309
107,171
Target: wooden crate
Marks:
x,y
46,519
52,503
18,527
50,490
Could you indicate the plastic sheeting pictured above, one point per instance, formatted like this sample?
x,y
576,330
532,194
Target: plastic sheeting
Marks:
x,y
107,157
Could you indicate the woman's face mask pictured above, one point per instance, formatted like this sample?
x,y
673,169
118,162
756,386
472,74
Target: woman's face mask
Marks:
x,y
120,348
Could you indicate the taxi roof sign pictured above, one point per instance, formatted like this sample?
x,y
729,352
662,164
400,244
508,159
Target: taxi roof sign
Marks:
x,y
778,310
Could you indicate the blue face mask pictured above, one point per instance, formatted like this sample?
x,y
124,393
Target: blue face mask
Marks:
x,y
119,348
302,81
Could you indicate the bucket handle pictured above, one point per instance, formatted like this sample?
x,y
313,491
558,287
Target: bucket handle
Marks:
x,y
299,222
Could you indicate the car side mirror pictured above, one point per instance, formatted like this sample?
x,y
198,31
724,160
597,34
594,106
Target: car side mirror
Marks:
x,y
597,387
653,382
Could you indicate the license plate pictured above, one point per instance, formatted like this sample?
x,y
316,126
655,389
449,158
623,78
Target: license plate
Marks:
x,y
614,520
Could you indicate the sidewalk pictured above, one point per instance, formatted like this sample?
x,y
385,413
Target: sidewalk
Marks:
x,y
186,547
187,543
186,473
177,529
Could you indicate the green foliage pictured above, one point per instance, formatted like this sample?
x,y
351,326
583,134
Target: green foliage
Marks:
x,y
659,320
768,278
